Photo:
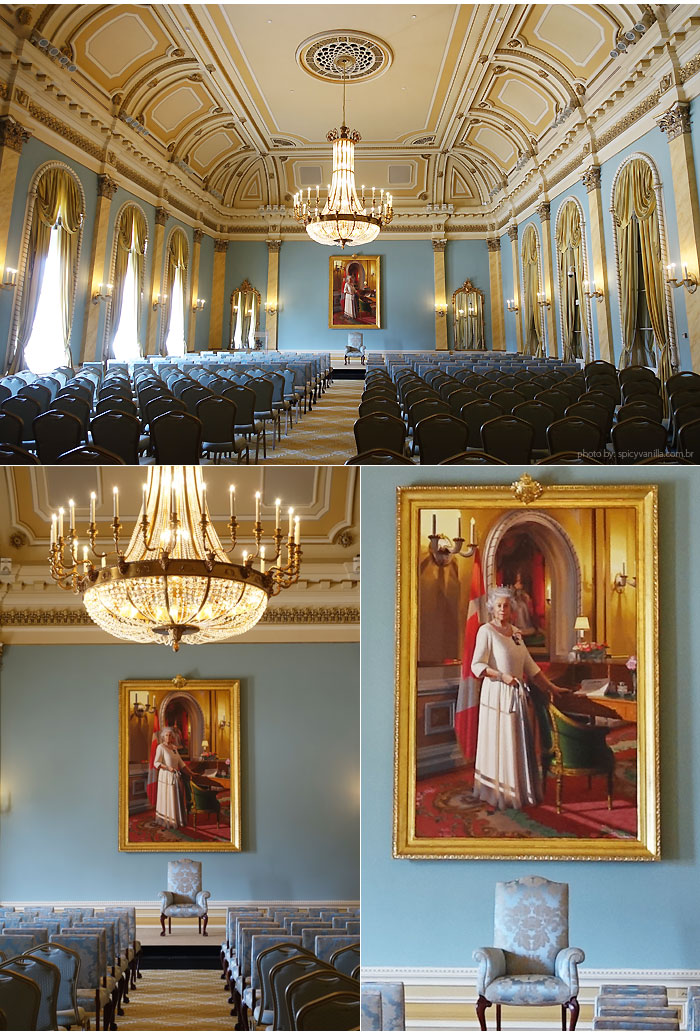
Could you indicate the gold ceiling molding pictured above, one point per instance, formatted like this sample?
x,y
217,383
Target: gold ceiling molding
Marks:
x,y
273,616
69,134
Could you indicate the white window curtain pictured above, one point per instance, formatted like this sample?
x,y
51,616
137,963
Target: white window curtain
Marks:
x,y
131,235
125,345
45,349
175,344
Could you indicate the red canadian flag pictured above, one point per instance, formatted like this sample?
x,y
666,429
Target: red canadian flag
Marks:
x,y
467,712
152,782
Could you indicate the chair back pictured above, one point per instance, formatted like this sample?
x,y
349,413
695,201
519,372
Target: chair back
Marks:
x,y
260,943
379,431
48,979
281,976
326,945
264,391
55,432
346,958
16,942
75,405
637,438
68,964
86,947
10,428
177,438
308,988
244,399
509,438
118,432
40,393
26,410
439,436
539,415
218,417
89,455
267,959
378,458
531,923
383,1006
20,1000
184,880
575,434
337,1011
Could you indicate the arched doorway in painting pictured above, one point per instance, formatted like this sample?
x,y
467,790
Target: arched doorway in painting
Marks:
x,y
533,553
181,711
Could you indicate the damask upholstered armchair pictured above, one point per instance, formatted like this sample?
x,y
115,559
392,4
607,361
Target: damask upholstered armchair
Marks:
x,y
184,896
531,963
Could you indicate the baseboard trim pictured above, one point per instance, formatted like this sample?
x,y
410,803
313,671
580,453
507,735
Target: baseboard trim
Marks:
x,y
593,976
155,904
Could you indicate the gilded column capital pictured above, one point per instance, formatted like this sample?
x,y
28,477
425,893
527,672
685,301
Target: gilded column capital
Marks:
x,y
220,246
197,235
13,134
544,210
493,244
162,216
106,186
439,245
591,178
513,233
675,121
273,246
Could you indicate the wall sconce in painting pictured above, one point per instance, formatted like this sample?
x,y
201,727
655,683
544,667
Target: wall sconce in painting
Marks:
x,y
141,708
224,722
542,300
9,282
159,300
512,307
689,281
198,305
443,549
622,580
590,290
103,294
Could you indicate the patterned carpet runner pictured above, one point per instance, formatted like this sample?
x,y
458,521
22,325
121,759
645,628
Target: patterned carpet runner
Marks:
x,y
178,1000
324,436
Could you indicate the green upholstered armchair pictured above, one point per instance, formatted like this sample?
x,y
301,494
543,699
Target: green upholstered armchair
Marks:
x,y
576,749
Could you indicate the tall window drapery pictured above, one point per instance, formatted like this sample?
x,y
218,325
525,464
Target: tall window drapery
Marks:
x,y
533,341
46,306
569,239
174,343
131,242
642,300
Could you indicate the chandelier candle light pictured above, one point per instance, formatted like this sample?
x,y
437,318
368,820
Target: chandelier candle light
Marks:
x,y
174,582
344,218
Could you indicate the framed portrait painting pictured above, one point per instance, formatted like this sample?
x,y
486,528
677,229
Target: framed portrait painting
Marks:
x,y
179,765
353,292
527,672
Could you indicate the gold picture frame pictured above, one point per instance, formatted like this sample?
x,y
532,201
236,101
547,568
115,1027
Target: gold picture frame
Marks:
x,y
356,306
599,551
199,808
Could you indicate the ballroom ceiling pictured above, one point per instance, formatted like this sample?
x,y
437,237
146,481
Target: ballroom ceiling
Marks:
x,y
451,100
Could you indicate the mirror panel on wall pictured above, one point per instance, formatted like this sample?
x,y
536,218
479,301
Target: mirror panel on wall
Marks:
x,y
245,316
468,317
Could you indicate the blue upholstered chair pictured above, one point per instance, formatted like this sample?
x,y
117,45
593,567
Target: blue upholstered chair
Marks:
x,y
531,963
252,998
20,999
326,945
48,979
184,896
68,1013
693,1016
382,1006
93,996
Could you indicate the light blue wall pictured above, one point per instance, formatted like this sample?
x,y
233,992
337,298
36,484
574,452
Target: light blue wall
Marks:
x,y
435,913
406,288
508,292
468,260
299,771
245,260
34,154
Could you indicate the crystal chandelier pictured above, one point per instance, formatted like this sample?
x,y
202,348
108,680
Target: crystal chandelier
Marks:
x,y
344,218
174,582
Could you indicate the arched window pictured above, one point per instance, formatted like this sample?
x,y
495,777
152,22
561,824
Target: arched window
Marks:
x,y
130,242
571,258
44,316
533,341
642,296
174,323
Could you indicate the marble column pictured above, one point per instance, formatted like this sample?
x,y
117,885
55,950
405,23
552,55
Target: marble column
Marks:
x,y
218,291
599,263
194,281
517,295
549,286
156,284
90,348
13,137
272,297
498,331
675,123
441,343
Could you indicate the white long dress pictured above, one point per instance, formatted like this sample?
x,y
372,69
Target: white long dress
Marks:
x,y
169,808
350,305
505,770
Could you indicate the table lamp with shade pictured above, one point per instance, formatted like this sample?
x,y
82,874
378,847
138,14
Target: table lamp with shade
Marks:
x,y
581,626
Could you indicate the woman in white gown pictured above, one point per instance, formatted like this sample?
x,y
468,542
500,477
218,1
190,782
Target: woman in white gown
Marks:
x,y
349,299
506,773
170,804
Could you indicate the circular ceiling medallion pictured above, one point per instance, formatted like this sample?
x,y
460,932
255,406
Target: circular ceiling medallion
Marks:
x,y
326,54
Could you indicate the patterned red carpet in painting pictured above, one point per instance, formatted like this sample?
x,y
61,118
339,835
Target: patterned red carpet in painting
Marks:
x,y
445,806
143,828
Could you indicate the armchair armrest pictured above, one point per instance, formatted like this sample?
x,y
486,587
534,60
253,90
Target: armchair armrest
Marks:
x,y
566,967
492,965
201,898
166,899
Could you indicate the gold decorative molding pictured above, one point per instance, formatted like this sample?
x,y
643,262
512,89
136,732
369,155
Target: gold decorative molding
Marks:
x,y
162,216
512,232
439,246
274,246
526,489
591,179
493,244
220,246
51,122
17,617
544,211
197,235
630,119
688,70
675,121
106,187
13,134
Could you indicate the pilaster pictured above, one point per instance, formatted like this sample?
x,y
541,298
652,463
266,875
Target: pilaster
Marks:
x,y
441,343
194,281
601,307
216,317
156,283
513,234
106,189
498,331
549,286
13,137
272,298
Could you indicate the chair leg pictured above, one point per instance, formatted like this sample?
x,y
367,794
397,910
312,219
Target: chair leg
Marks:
x,y
498,1016
206,921
162,925
573,1008
170,925
610,790
482,1005
199,924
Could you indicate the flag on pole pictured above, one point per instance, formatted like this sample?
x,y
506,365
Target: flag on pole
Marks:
x,y
467,711
152,782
